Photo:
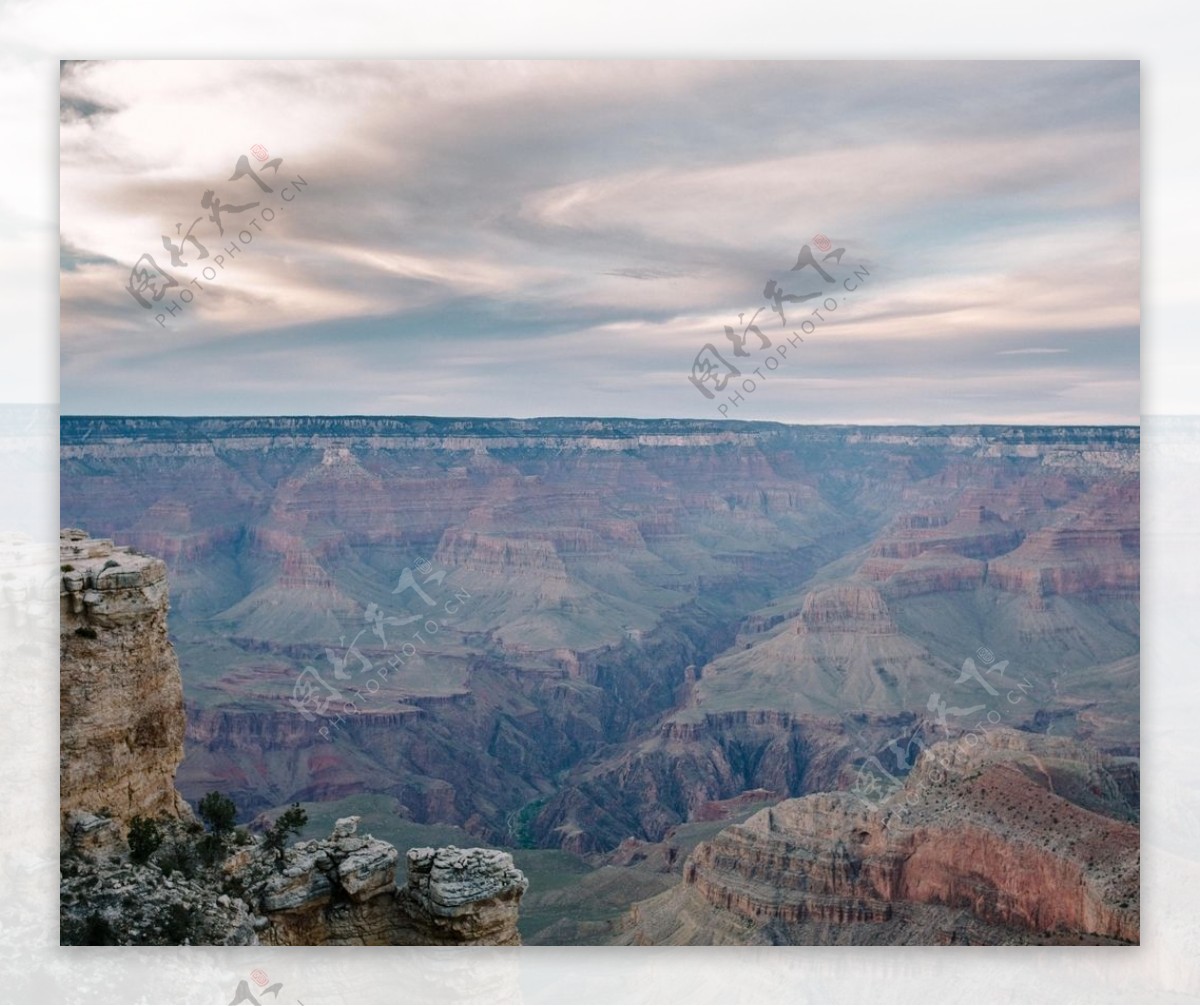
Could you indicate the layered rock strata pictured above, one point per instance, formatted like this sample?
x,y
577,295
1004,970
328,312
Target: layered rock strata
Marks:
x,y
342,891
609,586
1015,838
463,896
121,696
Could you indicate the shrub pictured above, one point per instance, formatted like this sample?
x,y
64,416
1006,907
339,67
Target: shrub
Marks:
x,y
218,811
526,817
211,848
144,839
287,824
177,857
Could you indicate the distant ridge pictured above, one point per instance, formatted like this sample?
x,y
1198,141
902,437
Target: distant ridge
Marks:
x,y
77,429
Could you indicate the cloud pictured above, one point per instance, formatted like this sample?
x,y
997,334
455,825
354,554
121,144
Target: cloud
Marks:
x,y
538,237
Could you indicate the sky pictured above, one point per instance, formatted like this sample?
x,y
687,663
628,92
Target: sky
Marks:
x,y
593,238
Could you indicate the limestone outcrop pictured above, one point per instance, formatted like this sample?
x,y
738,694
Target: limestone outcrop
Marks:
x,y
341,891
121,696
463,896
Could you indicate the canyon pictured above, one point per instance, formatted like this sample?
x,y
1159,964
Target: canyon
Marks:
x,y
607,640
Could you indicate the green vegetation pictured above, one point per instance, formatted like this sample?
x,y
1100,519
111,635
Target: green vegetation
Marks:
x,y
521,830
145,837
219,813
178,857
289,823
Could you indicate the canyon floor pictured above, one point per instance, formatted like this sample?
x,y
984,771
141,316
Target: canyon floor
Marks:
x,y
709,682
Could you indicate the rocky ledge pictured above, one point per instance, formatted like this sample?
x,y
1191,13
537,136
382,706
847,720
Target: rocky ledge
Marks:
x,y
463,895
342,891
338,891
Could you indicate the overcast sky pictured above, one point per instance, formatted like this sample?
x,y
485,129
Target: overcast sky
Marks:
x,y
563,238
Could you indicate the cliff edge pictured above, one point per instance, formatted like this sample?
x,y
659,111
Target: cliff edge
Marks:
x,y
120,692
139,868
342,891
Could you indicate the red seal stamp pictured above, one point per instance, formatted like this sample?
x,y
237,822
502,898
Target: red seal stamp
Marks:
x,y
259,151
822,242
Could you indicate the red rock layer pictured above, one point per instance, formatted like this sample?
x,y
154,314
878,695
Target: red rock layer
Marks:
x,y
986,834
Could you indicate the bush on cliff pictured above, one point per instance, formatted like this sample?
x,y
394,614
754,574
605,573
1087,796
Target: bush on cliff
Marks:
x,y
218,811
178,856
287,824
145,837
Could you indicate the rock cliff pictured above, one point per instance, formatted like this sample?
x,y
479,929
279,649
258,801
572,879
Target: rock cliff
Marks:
x,y
122,742
121,695
462,896
1014,838
338,891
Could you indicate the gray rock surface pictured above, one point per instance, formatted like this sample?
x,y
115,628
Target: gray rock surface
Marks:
x,y
342,890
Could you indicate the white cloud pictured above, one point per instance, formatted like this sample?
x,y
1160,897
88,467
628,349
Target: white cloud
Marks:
x,y
580,225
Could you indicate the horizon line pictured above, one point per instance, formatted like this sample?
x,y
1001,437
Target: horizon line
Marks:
x,y
589,418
